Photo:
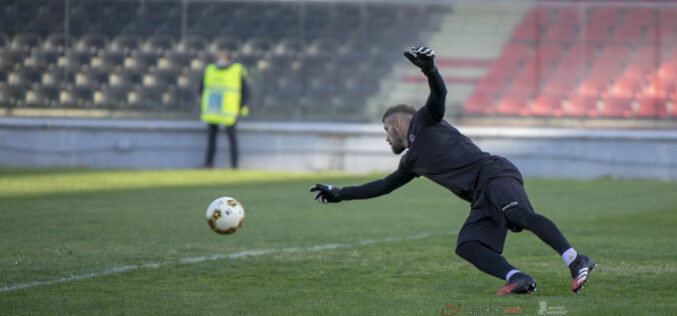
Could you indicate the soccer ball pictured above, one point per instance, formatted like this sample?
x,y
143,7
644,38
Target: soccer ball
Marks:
x,y
225,215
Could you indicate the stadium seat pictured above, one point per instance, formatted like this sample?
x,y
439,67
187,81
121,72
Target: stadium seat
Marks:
x,y
160,79
4,40
232,43
12,96
526,32
652,107
173,60
560,33
25,42
126,44
539,15
626,86
628,34
641,16
23,77
592,87
617,106
158,44
479,104
91,43
492,84
125,78
604,15
513,105
42,96
503,68
518,52
145,98
191,45
56,43
289,46
108,60
547,106
594,34
581,106
558,86
638,71
571,15
527,83
76,97
141,61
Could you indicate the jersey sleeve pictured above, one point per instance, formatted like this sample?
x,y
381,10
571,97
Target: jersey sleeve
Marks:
x,y
379,187
435,105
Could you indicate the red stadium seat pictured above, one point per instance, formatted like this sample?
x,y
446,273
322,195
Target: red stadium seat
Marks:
x,y
603,15
559,86
480,104
527,83
659,87
625,87
504,68
515,51
628,34
581,106
638,71
513,105
492,85
594,33
652,107
526,32
570,15
617,106
616,52
547,106
605,69
592,87
560,33
549,53
639,16
539,15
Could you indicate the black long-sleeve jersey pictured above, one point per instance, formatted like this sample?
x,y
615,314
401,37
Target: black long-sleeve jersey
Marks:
x,y
437,151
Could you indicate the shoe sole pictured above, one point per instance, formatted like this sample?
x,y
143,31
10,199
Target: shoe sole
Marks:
x,y
518,288
582,278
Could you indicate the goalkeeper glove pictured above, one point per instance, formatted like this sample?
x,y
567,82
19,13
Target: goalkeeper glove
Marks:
x,y
326,193
422,57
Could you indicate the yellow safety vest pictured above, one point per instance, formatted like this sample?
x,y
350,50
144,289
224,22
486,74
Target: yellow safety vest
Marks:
x,y
221,94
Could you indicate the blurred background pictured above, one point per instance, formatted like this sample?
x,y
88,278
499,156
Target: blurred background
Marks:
x,y
115,83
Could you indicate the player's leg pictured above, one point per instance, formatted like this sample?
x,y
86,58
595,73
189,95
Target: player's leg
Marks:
x,y
212,130
232,139
509,196
480,242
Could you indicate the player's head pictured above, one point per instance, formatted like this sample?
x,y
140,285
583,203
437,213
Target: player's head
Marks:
x,y
396,123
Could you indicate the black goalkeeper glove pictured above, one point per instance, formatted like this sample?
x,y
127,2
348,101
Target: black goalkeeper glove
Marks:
x,y
422,57
326,193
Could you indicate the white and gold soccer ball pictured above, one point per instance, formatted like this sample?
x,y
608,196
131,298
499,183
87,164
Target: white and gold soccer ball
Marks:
x,y
225,215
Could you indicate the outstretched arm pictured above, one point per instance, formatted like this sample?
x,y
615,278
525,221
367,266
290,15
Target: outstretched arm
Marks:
x,y
424,58
330,194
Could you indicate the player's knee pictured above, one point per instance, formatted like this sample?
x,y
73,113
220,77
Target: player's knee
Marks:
x,y
465,250
522,217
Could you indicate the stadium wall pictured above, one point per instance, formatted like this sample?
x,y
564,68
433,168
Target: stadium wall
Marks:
x,y
109,143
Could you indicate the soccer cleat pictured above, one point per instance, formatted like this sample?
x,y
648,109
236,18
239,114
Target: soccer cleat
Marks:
x,y
519,283
580,269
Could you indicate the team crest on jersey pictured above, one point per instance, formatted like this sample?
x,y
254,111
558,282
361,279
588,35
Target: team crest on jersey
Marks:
x,y
411,139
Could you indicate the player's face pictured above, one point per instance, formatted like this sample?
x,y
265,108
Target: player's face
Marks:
x,y
393,136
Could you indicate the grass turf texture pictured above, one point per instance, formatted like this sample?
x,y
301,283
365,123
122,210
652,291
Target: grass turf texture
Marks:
x,y
62,223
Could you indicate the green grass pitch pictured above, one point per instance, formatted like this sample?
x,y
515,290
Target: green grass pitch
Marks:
x,y
123,242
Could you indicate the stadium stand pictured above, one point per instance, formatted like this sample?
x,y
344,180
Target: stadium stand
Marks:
x,y
149,55
601,59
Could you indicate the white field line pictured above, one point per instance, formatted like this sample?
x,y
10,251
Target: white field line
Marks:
x,y
247,253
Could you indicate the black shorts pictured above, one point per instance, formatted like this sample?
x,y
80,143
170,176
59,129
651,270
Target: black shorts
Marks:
x,y
487,222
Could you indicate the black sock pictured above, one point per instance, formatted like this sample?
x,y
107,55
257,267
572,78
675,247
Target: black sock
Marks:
x,y
541,226
485,259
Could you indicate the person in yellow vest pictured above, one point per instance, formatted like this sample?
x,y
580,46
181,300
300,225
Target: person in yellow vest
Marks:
x,y
224,94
